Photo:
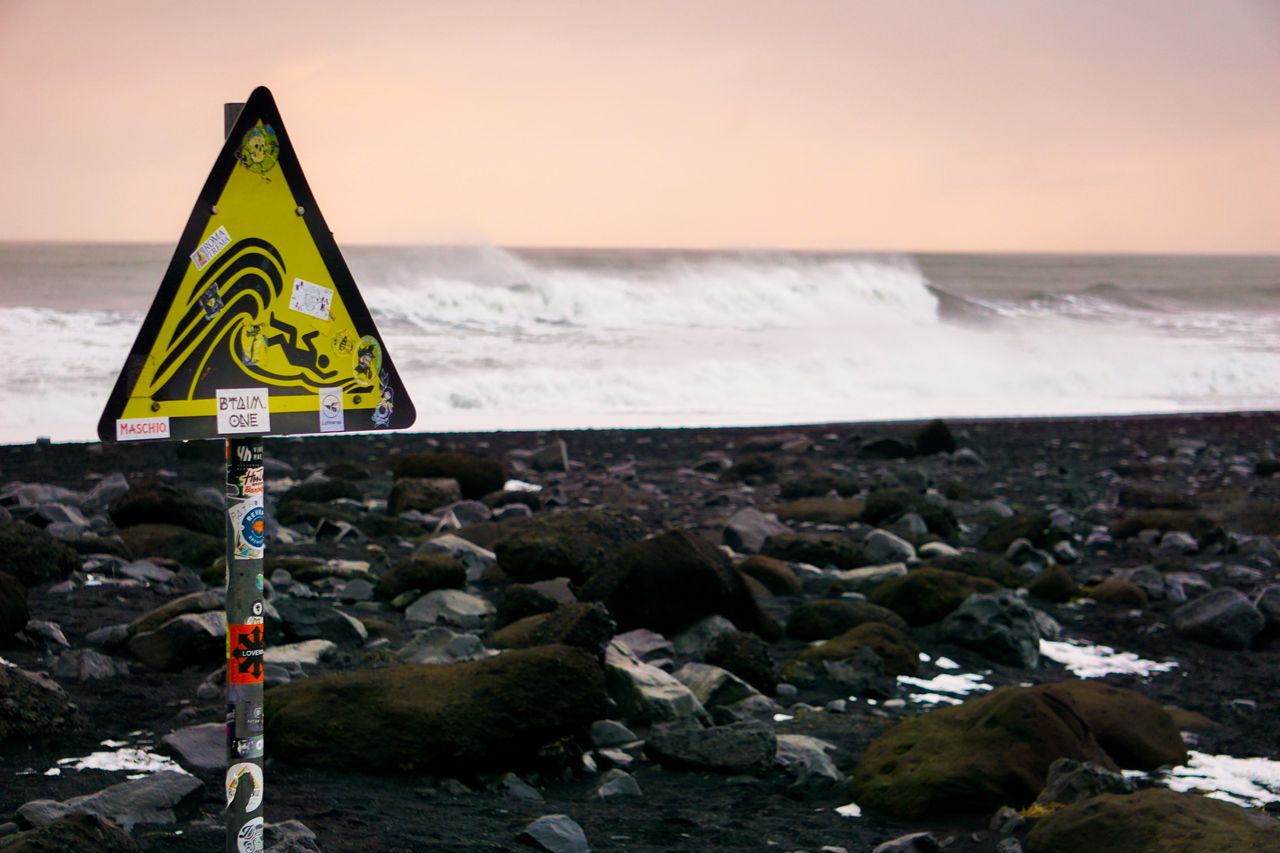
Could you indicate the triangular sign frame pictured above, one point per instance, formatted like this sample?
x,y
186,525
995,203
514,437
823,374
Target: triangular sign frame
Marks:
x,y
257,327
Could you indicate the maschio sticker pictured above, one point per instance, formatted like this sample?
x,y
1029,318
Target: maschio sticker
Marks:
x,y
246,653
331,419
314,300
249,838
209,249
248,520
242,773
139,429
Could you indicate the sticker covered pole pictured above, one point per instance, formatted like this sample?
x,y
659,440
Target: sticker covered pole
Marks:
x,y
246,639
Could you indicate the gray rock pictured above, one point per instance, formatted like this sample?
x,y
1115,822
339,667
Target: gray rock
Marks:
x,y
466,512
748,528
306,619
475,558
1224,618
104,491
1176,543
867,578
1268,604
557,833
290,836
1009,845
646,645
1065,552
1007,821
192,638
937,550
998,625
49,632
916,842
1181,587
714,686
605,733
617,783
643,692
698,637
199,749
881,546
87,665
510,511
967,458
357,590
451,606
308,652
146,571
159,798
1242,574
515,788
108,637
1070,781
744,746
805,760
1148,578
438,644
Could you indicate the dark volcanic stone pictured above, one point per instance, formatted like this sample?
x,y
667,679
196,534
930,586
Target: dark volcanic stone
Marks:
x,y
83,833
523,600
13,606
884,506
818,549
1032,526
422,493
159,502
173,543
1135,731
583,625
980,565
746,656
476,475
935,437
423,572
672,580
887,448
440,719
1224,618
736,748
829,617
1138,496
568,544
751,467
900,655
322,491
815,484
32,555
186,640
998,625
925,596
31,704
313,619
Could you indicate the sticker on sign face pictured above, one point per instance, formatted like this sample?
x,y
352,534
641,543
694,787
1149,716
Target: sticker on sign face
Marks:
x,y
331,418
311,299
243,410
139,429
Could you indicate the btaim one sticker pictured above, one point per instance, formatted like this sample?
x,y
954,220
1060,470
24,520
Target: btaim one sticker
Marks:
x,y
246,653
249,521
239,774
311,299
331,419
138,429
249,838
210,248
243,410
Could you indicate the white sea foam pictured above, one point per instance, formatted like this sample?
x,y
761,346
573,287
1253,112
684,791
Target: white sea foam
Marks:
x,y
1250,782
136,761
1090,661
945,688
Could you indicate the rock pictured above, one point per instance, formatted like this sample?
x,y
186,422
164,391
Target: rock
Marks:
x,y
881,546
979,565
199,749
146,572
818,549
83,833
746,656
1032,526
712,685
775,575
643,692
423,572
515,788
33,556
521,600
616,783
672,580
1224,618
438,644
322,491
311,619
895,649
1268,604
13,606
173,542
1006,820
648,646
568,544
926,596
553,456
585,626
805,761
825,618
697,638
156,501
1054,585
606,733
31,705
290,836
1071,781
1176,543
104,491
740,747
556,833
748,528
869,577
463,717
307,652
751,468
934,437
1136,732
85,665
1120,592
475,558
887,448
1155,819
195,602
477,476
158,798
915,842
186,640
819,510
451,606
998,625
465,513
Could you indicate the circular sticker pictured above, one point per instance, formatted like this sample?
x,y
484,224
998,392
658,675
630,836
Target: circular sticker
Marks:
x,y
253,526
249,838
235,774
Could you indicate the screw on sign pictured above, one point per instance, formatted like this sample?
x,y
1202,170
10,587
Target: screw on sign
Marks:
x,y
235,348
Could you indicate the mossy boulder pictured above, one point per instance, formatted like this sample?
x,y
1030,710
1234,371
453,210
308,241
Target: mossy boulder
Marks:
x,y
1164,520
34,556
322,491
815,484
816,548
1054,585
926,596
746,656
477,476
753,467
1032,526
13,606
423,572
568,544
888,504
668,582
461,718
829,617
585,626
934,437
980,565
970,759
423,494
172,542
155,501
1120,592
1153,821
1137,732
31,705
83,833
773,574
900,655
820,510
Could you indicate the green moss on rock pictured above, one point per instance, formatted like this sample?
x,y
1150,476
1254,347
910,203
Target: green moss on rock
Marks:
x,y
926,596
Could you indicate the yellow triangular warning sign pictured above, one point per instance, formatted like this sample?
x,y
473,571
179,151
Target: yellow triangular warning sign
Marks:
x,y
257,327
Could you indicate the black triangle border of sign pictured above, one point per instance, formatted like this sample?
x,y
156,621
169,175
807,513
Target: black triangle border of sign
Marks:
x,y
260,105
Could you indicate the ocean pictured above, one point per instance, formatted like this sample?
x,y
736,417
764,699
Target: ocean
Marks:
x,y
488,338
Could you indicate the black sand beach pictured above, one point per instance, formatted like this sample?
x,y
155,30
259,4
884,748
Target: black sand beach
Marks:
x,y
1117,526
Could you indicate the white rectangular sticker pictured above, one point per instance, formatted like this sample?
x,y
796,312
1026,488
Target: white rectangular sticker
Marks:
x,y
311,299
243,410
210,248
137,429
331,419
248,520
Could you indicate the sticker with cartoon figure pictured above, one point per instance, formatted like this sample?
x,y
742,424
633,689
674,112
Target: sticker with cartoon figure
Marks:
x,y
236,774
259,149
253,345
386,403
311,299
368,360
211,301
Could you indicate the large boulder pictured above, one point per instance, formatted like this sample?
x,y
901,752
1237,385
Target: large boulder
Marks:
x,y
31,705
934,437
741,747
477,476
157,798
568,544
816,548
926,596
157,501
1225,618
466,717
195,602
1054,585
748,528
313,619
1153,820
1137,732
998,625
32,555
322,491
981,565
672,580
423,494
174,543
84,833
581,625
746,656
186,640
13,606
825,618
643,692
423,572
895,649
774,575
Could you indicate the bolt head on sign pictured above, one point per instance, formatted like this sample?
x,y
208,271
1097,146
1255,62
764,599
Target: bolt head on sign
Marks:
x,y
257,328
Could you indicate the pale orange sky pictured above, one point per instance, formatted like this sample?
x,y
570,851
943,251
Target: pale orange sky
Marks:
x,y
1079,125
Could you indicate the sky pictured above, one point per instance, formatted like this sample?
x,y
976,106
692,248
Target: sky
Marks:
x,y
983,125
